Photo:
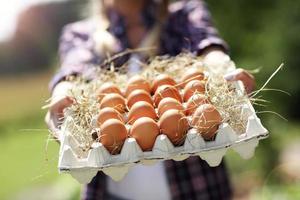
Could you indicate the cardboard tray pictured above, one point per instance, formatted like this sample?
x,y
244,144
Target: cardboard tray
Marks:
x,y
117,166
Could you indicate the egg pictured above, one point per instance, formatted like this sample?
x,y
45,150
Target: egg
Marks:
x,y
169,103
112,135
206,120
137,82
115,101
192,87
141,109
138,95
160,80
166,91
108,113
145,130
194,102
107,88
191,74
174,124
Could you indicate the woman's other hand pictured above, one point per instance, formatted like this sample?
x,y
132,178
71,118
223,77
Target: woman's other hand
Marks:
x,y
219,61
244,76
59,101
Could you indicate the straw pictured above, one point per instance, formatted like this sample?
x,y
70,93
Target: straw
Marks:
x,y
222,94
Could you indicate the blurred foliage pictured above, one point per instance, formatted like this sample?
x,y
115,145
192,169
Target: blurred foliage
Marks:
x,y
264,34
28,167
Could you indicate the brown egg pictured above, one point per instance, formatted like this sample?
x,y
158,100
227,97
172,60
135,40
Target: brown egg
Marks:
x,y
166,91
174,124
169,103
145,130
137,82
138,95
192,87
206,120
112,135
107,88
108,113
141,109
115,101
160,80
191,74
194,102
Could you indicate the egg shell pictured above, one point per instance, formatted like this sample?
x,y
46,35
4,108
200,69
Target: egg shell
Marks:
x,y
169,103
138,95
108,113
166,91
145,130
194,102
108,88
115,101
141,109
174,124
191,74
112,135
160,80
206,120
135,83
192,87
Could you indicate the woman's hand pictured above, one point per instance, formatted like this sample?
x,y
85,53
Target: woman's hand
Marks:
x,y
220,62
217,61
244,76
59,101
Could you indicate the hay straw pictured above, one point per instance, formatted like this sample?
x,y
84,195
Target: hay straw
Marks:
x,y
172,66
222,94
253,94
228,101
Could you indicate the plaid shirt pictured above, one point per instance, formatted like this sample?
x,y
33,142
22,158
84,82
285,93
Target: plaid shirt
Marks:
x,y
189,179
188,27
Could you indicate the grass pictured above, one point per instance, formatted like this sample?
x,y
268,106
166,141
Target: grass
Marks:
x,y
280,192
260,177
25,160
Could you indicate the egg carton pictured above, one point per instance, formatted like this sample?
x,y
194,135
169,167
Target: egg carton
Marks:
x,y
117,166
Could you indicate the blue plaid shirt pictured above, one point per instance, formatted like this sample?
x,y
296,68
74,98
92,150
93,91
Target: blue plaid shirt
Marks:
x,y
188,27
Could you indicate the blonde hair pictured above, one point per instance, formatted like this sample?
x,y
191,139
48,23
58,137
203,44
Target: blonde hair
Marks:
x,y
105,41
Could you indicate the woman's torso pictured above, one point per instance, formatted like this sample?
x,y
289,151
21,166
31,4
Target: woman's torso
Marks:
x,y
187,27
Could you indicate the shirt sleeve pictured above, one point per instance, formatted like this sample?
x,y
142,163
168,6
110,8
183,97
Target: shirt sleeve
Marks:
x,y
75,52
200,28
191,26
